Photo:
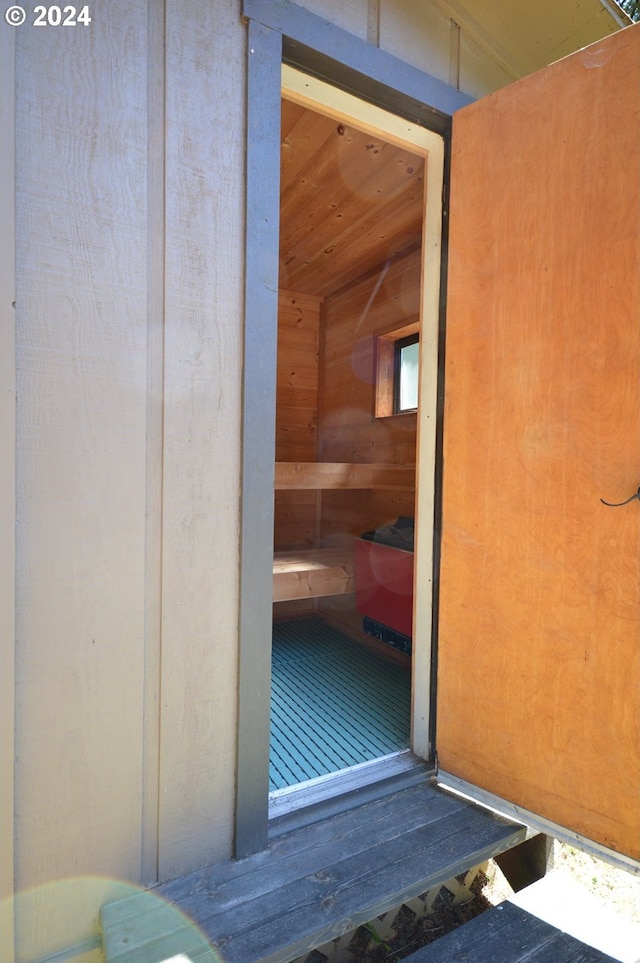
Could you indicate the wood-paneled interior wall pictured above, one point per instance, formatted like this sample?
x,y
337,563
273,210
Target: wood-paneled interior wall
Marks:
x,y
348,428
297,413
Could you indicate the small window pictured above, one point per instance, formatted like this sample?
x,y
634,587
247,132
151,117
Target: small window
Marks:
x,y
397,371
406,375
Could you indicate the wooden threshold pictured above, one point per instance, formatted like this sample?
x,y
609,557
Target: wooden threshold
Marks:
x,y
313,884
339,791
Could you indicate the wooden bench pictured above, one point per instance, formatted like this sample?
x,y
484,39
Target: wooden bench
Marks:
x,y
310,475
308,573
312,573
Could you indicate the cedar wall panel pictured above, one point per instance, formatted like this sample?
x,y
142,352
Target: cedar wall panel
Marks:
x,y
296,413
348,429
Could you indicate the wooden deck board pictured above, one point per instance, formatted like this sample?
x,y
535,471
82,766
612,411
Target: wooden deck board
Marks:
x,y
318,882
508,933
295,856
372,868
339,898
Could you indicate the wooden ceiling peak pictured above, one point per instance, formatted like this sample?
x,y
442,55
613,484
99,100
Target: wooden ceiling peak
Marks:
x,y
349,201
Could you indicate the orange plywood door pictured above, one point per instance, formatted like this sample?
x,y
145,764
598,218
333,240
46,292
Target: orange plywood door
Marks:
x,y
539,625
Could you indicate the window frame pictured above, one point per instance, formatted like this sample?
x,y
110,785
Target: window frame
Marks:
x,y
386,387
397,373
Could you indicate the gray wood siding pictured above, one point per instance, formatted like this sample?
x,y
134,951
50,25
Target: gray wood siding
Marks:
x,y
427,36
205,143
422,34
81,209
129,321
7,484
81,358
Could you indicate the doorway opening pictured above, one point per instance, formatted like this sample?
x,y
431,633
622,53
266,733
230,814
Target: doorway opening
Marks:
x,y
359,274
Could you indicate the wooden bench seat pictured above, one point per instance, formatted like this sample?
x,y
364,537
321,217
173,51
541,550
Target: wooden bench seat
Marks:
x,y
309,475
312,572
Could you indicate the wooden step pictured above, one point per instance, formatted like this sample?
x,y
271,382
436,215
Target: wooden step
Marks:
x,y
313,884
508,934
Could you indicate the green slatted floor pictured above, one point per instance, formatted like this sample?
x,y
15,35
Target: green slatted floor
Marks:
x,y
333,704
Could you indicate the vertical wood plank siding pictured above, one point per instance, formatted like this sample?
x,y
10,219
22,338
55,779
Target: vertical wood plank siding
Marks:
x,y
156,185
205,141
127,456
7,486
81,324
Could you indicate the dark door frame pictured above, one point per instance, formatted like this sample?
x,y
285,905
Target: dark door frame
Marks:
x,y
279,31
